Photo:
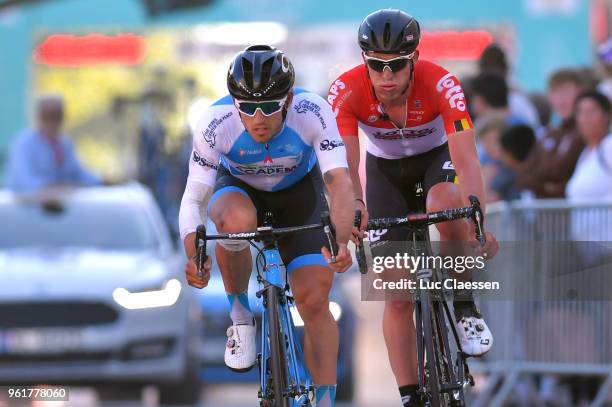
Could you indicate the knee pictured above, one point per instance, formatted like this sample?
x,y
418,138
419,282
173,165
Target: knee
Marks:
x,y
442,196
234,219
399,308
313,307
445,196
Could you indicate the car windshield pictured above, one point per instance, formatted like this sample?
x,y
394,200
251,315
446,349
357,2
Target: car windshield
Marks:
x,y
102,226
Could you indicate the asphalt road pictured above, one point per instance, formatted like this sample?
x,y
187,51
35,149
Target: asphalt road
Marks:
x,y
219,396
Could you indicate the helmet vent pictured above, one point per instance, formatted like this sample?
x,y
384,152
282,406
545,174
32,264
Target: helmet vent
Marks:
x,y
266,70
387,35
247,69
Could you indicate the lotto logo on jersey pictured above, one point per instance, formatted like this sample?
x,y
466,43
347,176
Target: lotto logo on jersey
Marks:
x,y
453,92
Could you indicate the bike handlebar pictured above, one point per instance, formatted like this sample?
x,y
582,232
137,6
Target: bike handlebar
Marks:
x,y
419,220
264,232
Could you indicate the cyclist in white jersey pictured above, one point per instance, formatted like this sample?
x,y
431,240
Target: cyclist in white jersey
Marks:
x,y
264,148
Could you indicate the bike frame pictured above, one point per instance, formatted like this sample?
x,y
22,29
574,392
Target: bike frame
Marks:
x,y
299,382
432,314
297,373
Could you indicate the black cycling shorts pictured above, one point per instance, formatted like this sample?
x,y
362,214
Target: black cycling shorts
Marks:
x,y
300,204
390,190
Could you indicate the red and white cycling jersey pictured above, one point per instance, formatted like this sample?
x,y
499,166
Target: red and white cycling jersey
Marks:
x,y
436,107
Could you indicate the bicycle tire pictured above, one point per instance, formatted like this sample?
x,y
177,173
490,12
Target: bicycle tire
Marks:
x,y
433,384
443,361
278,357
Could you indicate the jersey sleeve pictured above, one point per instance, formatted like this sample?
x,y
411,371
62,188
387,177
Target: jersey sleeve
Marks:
x,y
204,159
451,101
338,97
326,141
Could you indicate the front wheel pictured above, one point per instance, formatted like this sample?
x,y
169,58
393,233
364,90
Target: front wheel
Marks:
x,y
278,357
433,384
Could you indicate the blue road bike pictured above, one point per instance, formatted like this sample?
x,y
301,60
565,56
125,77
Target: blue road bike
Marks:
x,y
284,377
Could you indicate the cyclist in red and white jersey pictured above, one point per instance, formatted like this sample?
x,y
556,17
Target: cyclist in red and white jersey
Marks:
x,y
414,115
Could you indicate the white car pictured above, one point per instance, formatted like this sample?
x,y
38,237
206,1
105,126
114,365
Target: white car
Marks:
x,y
94,293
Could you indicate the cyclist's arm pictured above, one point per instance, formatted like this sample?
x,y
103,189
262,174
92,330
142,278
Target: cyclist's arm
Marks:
x,y
203,164
460,131
467,166
331,155
353,154
340,97
340,188
193,213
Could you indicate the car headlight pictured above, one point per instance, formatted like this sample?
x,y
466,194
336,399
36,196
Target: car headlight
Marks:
x,y
164,297
334,308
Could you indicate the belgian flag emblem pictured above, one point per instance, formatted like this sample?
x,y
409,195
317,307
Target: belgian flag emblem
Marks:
x,y
462,124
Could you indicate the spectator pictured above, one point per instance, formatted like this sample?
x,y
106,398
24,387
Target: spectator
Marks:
x,y
493,59
516,144
488,131
542,107
489,102
489,95
592,178
520,153
560,146
43,157
564,86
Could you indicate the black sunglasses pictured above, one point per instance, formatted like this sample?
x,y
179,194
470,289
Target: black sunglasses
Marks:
x,y
394,64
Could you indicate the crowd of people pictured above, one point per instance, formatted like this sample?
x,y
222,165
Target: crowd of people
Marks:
x,y
543,146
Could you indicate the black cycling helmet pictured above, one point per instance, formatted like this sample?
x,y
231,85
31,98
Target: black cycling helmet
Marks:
x,y
260,72
389,31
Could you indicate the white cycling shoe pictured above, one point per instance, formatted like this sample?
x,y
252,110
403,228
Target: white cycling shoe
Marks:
x,y
474,334
240,349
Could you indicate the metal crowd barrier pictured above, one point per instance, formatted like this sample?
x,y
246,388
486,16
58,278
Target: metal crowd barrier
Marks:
x,y
538,331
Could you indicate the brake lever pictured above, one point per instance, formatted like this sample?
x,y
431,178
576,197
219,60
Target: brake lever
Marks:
x,y
359,250
200,243
330,234
477,217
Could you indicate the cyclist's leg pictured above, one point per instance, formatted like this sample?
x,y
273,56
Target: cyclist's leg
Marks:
x,y
387,195
232,210
311,285
310,279
443,192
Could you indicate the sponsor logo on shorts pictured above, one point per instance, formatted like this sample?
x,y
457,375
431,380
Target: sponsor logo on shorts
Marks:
x,y
448,165
454,92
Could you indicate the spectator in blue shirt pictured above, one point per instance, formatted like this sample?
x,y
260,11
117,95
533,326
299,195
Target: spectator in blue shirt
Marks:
x,y
43,157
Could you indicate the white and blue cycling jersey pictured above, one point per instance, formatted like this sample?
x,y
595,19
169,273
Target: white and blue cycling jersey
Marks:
x,y
309,135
